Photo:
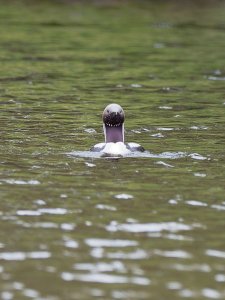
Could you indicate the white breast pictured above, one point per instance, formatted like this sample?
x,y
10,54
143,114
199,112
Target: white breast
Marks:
x,y
118,148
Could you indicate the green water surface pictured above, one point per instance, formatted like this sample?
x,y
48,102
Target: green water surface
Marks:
x,y
96,228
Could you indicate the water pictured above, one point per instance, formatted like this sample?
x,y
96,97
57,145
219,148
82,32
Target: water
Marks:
x,y
78,226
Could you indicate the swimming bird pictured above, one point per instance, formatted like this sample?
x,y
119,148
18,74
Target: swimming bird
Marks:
x,y
113,126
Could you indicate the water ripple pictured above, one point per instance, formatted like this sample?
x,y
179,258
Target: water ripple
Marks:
x,y
173,253
105,207
220,277
145,154
123,196
211,293
104,278
40,211
116,266
21,182
218,206
192,267
148,227
215,78
69,243
24,255
164,164
134,255
197,156
196,203
215,253
110,243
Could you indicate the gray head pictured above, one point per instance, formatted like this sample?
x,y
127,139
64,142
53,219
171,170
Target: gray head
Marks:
x,y
113,123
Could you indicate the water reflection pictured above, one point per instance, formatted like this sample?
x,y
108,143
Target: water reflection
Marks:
x,y
137,254
41,211
104,278
146,154
24,255
148,227
110,243
75,225
215,253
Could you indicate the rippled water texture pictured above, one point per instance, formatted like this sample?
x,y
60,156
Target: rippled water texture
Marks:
x,y
75,225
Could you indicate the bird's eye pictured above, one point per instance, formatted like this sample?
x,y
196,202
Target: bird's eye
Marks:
x,y
121,112
107,111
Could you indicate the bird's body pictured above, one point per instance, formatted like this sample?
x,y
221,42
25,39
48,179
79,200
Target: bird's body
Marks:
x,y
113,127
